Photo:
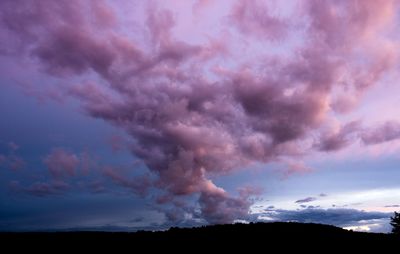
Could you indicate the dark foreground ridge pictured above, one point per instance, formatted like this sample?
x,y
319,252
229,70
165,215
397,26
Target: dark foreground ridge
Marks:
x,y
272,234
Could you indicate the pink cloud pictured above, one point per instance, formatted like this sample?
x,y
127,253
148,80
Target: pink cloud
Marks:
x,y
294,167
188,122
61,163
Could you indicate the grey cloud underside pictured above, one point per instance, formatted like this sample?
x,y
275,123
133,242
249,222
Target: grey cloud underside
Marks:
x,y
306,200
338,217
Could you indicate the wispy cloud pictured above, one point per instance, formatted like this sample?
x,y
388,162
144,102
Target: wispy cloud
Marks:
x,y
305,200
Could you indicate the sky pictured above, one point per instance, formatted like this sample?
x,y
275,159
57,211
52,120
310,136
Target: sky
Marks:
x,y
127,115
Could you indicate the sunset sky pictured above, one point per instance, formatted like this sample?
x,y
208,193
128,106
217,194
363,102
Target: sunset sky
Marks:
x,y
127,115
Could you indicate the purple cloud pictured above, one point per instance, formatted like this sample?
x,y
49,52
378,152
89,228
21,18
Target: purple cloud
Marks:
x,y
386,132
340,138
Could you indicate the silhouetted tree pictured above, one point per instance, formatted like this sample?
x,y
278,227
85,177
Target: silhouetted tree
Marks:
x,y
395,222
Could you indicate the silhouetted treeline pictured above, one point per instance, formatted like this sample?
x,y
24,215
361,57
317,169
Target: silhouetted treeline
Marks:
x,y
254,235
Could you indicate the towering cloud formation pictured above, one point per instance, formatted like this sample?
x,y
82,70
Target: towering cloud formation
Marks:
x,y
196,108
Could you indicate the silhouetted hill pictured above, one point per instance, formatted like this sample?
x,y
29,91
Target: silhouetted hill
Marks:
x,y
265,235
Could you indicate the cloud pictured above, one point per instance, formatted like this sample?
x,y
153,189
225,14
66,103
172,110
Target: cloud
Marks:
x,y
339,217
309,207
250,191
256,19
185,122
305,200
61,163
353,131
392,205
374,225
219,208
386,132
41,189
339,138
138,185
295,167
309,199
12,160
